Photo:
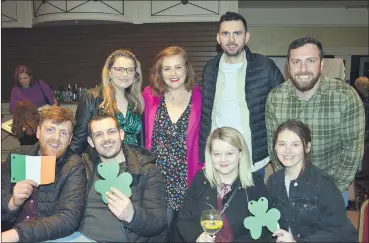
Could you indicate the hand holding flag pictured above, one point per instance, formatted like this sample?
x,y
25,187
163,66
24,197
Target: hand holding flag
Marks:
x,y
21,192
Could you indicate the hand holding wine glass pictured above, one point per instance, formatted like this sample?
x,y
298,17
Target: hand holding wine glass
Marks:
x,y
206,237
211,221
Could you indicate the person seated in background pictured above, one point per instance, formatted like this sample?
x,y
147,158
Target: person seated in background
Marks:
x,y
362,87
312,208
25,88
46,212
227,185
139,218
25,122
119,95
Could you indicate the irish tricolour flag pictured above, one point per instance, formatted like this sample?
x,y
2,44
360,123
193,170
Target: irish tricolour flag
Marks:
x,y
41,169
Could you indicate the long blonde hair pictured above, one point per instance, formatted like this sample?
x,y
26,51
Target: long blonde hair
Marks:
x,y
133,94
234,138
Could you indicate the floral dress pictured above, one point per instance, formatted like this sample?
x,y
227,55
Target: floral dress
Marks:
x,y
131,125
169,145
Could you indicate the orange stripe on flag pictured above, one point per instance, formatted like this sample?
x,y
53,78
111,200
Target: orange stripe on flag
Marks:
x,y
47,169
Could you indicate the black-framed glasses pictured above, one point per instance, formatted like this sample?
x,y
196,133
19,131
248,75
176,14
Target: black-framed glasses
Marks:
x,y
129,70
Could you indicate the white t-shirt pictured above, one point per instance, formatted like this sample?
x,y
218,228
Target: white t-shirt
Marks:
x,y
228,110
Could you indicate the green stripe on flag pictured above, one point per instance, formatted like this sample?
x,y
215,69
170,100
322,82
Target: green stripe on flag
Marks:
x,y
18,168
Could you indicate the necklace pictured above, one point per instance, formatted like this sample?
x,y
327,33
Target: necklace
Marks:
x,y
170,97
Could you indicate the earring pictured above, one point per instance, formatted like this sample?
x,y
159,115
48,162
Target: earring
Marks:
x,y
109,80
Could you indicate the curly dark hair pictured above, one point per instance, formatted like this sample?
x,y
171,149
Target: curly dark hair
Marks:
x,y
25,118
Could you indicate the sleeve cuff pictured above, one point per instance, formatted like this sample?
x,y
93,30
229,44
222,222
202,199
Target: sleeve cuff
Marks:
x,y
11,213
133,222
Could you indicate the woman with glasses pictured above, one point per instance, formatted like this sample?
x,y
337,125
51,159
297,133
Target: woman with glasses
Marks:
x,y
119,95
172,123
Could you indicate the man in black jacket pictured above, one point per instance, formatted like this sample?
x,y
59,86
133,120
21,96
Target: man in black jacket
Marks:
x,y
139,218
236,84
46,212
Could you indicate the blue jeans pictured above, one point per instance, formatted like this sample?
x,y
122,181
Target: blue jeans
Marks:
x,y
75,237
345,198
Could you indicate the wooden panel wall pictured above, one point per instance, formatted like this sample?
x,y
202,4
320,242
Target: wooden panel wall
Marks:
x,y
75,54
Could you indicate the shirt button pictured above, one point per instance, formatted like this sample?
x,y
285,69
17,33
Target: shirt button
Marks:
x,y
207,198
27,217
298,235
31,201
295,184
293,204
305,205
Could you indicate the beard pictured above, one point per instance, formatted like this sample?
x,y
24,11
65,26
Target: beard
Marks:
x,y
235,52
305,86
47,151
109,154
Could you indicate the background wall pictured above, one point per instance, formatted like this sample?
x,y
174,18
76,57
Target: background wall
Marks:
x,y
75,54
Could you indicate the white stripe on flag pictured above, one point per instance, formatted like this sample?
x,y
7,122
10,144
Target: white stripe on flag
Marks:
x,y
33,168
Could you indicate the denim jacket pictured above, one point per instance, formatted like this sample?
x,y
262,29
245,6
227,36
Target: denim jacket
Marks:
x,y
314,209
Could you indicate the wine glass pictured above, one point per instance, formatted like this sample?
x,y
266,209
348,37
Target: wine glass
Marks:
x,y
211,221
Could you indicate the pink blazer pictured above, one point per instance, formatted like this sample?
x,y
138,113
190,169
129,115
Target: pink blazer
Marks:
x,y
193,130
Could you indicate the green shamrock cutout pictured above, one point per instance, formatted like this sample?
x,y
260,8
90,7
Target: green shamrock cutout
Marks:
x,y
109,171
262,217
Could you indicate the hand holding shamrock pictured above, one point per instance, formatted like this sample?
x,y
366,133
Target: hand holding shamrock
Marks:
x,y
120,205
283,236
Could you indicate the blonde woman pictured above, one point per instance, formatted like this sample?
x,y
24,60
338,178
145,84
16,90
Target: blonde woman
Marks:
x,y
119,95
226,184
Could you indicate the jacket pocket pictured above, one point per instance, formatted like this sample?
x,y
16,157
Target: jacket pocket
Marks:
x,y
308,212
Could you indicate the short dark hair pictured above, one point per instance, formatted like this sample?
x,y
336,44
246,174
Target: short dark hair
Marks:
x,y
99,117
304,41
232,16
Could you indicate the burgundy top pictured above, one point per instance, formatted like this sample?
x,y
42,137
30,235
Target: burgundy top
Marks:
x,y
39,94
28,212
225,234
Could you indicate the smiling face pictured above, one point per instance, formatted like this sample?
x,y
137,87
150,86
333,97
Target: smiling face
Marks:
x,y
54,138
290,149
232,37
106,137
225,158
173,71
305,67
122,72
24,80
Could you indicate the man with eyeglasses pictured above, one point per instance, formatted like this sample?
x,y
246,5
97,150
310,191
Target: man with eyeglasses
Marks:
x,y
139,218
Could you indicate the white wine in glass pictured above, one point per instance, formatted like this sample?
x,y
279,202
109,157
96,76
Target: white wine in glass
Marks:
x,y
211,221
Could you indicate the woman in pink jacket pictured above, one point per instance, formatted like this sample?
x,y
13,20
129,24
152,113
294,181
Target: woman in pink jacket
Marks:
x,y
172,123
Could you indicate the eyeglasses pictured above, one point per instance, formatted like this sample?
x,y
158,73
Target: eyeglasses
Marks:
x,y
130,70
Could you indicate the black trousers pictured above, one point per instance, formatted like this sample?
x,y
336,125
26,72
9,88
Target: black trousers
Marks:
x,y
171,221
